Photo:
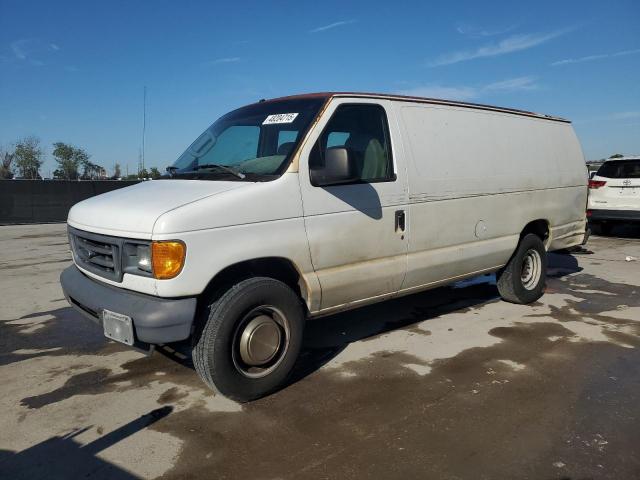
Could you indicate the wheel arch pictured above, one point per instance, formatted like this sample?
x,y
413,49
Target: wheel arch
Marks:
x,y
539,227
279,268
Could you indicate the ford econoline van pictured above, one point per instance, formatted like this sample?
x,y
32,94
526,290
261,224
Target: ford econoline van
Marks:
x,y
307,205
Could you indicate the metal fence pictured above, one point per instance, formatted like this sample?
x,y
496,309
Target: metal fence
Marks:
x,y
41,201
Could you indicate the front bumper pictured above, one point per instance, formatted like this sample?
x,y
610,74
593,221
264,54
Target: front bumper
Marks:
x,y
615,215
155,320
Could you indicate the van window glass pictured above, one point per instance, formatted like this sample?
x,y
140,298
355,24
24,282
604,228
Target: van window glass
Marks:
x,y
337,139
286,140
252,143
236,144
620,169
361,129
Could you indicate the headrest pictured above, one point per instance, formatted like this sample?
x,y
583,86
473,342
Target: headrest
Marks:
x,y
285,148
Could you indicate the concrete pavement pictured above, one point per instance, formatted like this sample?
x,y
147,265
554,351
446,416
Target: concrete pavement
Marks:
x,y
447,384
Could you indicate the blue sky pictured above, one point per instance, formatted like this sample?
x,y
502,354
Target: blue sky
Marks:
x,y
75,71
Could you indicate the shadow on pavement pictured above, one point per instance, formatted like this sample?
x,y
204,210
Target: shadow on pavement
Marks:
x,y
326,337
59,331
63,458
620,230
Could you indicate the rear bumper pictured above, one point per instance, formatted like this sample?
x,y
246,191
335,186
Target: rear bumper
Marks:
x,y
155,320
619,215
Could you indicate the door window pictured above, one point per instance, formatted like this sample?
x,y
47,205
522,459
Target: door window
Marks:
x,y
363,132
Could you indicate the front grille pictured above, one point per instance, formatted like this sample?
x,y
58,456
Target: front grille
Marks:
x,y
99,254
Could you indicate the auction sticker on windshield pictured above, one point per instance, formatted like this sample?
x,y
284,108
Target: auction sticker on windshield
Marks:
x,y
280,118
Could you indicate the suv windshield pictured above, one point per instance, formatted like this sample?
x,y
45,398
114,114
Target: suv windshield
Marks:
x,y
253,143
620,169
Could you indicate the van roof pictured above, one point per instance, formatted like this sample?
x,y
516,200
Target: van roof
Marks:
x,y
406,98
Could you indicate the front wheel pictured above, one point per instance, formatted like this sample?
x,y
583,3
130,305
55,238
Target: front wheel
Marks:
x,y
250,340
523,279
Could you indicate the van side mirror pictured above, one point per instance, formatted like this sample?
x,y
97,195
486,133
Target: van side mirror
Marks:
x,y
339,167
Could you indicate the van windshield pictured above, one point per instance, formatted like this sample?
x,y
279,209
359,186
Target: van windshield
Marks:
x,y
620,169
253,143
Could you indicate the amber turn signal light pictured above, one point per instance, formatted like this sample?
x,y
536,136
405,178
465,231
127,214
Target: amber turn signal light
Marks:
x,y
167,259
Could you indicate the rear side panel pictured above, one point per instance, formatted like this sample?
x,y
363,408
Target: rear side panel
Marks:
x,y
476,178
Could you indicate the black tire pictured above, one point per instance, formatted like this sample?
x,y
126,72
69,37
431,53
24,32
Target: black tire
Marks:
x,y
216,352
513,284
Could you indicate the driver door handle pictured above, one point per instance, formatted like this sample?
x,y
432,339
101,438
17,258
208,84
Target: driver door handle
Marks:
x,y
400,221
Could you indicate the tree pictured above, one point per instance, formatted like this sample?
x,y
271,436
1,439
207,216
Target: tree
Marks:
x,y
28,157
143,174
82,157
92,171
616,155
116,171
154,173
6,159
70,159
67,162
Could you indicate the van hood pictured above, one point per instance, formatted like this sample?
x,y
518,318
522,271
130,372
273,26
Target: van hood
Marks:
x,y
133,211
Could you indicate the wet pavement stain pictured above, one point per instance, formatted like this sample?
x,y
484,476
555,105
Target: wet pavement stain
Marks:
x,y
595,296
473,413
62,328
173,395
88,383
138,373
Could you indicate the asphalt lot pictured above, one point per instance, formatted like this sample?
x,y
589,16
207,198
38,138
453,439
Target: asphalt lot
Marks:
x,y
447,384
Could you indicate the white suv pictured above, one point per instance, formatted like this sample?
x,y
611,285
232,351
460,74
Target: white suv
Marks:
x,y
614,193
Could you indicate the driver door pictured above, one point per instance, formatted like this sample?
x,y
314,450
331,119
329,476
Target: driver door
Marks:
x,y
356,226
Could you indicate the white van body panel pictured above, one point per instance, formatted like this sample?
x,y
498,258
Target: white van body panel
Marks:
x,y
468,180
133,211
476,178
258,221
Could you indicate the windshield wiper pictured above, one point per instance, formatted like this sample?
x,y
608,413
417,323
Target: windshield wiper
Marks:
x,y
230,170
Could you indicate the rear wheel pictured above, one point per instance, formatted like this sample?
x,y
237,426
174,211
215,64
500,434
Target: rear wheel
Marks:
x,y
250,339
523,279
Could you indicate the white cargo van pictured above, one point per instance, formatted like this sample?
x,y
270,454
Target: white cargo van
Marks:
x,y
307,205
614,193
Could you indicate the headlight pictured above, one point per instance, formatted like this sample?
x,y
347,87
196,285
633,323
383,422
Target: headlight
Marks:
x,y
143,255
158,259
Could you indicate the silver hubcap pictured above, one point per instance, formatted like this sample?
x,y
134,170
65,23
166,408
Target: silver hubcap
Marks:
x,y
261,341
531,269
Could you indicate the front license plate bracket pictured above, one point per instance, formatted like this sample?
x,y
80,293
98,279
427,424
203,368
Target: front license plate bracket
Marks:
x,y
117,327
